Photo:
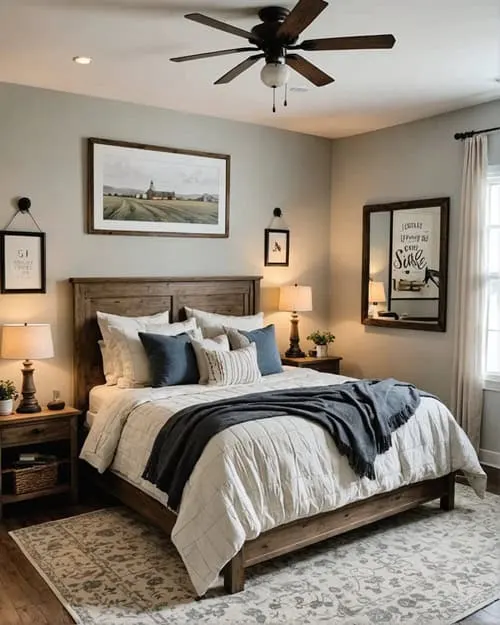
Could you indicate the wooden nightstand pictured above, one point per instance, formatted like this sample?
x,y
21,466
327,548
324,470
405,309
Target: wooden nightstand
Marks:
x,y
49,432
330,364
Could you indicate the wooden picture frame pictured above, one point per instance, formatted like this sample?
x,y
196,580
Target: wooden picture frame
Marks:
x,y
22,259
150,190
276,247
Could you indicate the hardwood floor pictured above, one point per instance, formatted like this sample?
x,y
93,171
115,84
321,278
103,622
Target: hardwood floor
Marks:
x,y
25,599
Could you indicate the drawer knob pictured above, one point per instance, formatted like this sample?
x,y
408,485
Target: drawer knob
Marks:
x,y
37,430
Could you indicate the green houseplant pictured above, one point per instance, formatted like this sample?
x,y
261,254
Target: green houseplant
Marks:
x,y
321,338
8,393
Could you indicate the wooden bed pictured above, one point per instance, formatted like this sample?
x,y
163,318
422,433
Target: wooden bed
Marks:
x,y
225,295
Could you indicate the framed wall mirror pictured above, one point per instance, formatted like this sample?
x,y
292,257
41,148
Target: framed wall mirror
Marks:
x,y
405,264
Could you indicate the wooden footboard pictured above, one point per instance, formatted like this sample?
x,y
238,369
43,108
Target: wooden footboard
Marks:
x,y
294,536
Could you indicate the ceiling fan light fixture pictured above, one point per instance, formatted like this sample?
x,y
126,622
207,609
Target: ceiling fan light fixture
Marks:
x,y
275,74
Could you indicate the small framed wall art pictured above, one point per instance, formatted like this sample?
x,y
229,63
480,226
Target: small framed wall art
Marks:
x,y
139,189
22,258
276,247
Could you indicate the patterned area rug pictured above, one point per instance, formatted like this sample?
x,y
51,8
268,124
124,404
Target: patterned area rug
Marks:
x,y
424,567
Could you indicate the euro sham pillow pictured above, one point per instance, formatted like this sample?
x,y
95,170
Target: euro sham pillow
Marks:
x,y
133,357
218,343
212,324
236,367
114,369
268,355
171,359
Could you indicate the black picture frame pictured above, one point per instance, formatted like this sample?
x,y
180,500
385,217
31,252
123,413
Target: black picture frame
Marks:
x,y
270,254
9,282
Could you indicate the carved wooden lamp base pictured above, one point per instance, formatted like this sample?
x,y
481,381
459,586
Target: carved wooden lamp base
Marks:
x,y
29,402
294,351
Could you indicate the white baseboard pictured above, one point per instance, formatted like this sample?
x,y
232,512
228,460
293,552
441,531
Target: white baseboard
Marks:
x,y
491,458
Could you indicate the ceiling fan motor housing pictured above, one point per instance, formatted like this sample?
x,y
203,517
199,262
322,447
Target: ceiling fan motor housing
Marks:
x,y
265,33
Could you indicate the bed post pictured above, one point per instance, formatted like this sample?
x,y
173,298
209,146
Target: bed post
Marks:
x,y
447,501
234,574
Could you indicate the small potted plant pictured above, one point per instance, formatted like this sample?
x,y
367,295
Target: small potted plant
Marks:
x,y
321,339
8,393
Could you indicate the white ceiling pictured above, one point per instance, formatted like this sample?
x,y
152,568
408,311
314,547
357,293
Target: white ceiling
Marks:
x,y
447,56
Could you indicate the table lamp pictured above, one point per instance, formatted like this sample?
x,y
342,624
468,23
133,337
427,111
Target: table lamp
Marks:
x,y
376,295
295,299
24,342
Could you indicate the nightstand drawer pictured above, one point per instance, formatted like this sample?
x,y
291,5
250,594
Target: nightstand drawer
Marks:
x,y
36,433
327,367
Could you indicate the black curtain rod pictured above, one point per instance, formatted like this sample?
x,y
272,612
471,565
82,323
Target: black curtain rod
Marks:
x,y
460,136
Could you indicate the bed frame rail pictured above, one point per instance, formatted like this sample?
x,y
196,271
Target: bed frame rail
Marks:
x,y
292,536
311,530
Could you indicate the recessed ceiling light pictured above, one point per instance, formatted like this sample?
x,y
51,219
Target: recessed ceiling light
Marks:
x,y
82,60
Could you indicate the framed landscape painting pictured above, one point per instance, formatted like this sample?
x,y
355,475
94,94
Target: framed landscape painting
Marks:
x,y
150,190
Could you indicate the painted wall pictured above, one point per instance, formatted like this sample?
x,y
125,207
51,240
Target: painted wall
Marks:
x,y
405,162
42,155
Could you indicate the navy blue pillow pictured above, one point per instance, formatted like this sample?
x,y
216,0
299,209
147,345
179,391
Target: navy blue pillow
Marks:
x,y
171,359
268,356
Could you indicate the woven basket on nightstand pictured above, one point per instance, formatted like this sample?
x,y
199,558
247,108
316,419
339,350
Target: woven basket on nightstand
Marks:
x,y
34,478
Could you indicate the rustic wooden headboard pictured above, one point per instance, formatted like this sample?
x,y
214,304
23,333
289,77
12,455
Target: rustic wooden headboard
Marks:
x,y
133,297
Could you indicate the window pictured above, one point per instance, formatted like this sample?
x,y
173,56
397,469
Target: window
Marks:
x,y
493,278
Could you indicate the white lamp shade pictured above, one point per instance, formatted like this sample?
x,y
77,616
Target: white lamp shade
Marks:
x,y
275,74
376,292
295,298
27,341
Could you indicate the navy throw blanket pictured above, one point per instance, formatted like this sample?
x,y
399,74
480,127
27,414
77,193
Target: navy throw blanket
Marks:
x,y
360,417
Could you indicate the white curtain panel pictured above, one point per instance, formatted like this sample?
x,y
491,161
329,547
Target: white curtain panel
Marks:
x,y
470,304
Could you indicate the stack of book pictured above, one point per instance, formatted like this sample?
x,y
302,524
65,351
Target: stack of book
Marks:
x,y
32,459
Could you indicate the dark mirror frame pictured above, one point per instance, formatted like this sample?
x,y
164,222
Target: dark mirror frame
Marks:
x,y
444,204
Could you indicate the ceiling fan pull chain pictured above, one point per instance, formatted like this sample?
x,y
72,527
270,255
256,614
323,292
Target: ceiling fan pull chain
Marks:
x,y
285,102
274,99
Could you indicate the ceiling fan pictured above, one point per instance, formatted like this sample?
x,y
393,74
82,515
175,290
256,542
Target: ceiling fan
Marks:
x,y
275,40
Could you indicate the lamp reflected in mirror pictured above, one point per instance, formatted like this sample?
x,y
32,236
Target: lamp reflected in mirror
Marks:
x,y
376,298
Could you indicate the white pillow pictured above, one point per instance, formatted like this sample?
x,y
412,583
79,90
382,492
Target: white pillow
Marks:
x,y
217,344
237,367
115,369
212,324
132,353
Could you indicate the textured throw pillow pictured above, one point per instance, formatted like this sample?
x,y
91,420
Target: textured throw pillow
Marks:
x,y
171,359
104,320
268,355
218,343
236,367
133,357
212,324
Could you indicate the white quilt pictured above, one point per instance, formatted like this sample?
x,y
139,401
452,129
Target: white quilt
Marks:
x,y
258,475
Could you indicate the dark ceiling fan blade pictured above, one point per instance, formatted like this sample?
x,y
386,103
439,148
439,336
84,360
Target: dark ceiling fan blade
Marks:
x,y
308,70
362,42
238,69
303,13
213,23
207,55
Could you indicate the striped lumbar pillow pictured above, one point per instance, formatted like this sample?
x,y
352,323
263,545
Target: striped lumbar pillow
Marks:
x,y
237,367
